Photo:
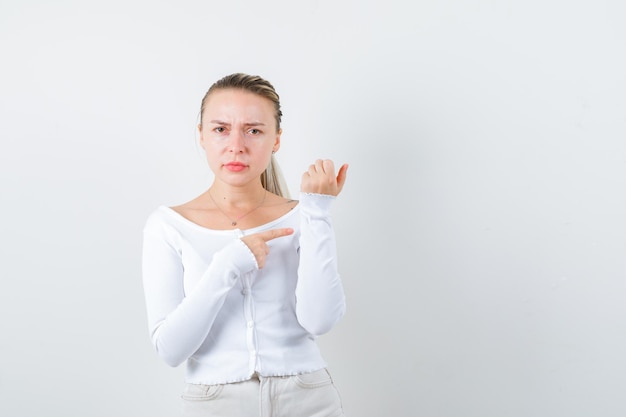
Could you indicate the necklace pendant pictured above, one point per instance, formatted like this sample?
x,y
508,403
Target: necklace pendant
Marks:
x,y
233,223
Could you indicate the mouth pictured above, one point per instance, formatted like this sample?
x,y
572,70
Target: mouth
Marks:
x,y
235,166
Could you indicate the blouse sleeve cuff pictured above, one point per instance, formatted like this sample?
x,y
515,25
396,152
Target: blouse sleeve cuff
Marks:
x,y
250,262
233,261
316,204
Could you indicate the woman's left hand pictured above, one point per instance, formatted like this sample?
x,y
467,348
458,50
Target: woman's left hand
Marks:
x,y
320,178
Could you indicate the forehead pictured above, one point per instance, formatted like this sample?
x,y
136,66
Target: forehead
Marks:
x,y
235,103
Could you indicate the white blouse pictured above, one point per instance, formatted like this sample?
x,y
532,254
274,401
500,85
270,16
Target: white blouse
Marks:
x,y
209,304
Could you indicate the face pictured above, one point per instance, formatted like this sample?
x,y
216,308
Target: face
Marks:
x,y
238,133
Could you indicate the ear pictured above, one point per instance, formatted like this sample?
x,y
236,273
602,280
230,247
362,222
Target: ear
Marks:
x,y
201,137
277,142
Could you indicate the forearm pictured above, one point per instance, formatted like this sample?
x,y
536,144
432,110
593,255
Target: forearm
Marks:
x,y
179,323
320,298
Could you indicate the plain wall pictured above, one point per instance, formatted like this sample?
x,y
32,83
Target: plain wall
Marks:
x,y
482,230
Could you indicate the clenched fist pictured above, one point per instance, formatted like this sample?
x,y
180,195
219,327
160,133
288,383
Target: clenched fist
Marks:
x,y
320,178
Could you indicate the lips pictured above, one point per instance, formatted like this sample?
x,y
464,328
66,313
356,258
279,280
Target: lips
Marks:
x,y
235,166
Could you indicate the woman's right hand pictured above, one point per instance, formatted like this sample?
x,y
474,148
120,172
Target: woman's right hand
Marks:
x,y
257,243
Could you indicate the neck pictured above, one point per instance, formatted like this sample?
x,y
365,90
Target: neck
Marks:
x,y
230,196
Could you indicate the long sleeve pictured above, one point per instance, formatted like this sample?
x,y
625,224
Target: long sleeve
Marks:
x,y
320,300
180,322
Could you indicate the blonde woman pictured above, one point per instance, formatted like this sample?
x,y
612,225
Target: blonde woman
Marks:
x,y
240,280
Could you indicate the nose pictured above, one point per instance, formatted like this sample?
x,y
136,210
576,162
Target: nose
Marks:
x,y
237,142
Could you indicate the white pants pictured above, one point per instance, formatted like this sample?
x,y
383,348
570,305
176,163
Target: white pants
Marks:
x,y
306,395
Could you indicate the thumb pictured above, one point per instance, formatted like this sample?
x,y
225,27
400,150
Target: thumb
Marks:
x,y
341,177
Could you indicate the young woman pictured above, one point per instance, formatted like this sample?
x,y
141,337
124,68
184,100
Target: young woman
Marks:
x,y
240,280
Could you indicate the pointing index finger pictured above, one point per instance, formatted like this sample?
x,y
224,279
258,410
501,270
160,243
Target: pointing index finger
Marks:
x,y
275,233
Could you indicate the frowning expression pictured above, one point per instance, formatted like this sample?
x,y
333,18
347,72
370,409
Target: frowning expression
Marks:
x,y
238,133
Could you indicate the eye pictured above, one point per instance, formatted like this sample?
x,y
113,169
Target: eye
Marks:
x,y
219,129
254,131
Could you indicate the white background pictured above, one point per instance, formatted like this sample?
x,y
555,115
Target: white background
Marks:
x,y
482,231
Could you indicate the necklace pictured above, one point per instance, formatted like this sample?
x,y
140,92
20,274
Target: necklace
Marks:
x,y
234,222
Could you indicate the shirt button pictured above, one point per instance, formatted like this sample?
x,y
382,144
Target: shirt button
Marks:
x,y
250,324
245,291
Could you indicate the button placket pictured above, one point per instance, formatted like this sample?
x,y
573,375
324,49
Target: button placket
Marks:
x,y
251,340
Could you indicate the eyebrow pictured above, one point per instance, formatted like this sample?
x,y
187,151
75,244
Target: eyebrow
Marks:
x,y
219,122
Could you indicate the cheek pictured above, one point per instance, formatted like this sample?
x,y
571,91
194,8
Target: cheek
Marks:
x,y
212,153
213,146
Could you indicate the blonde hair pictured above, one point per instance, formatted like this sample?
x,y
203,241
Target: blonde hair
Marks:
x,y
271,179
